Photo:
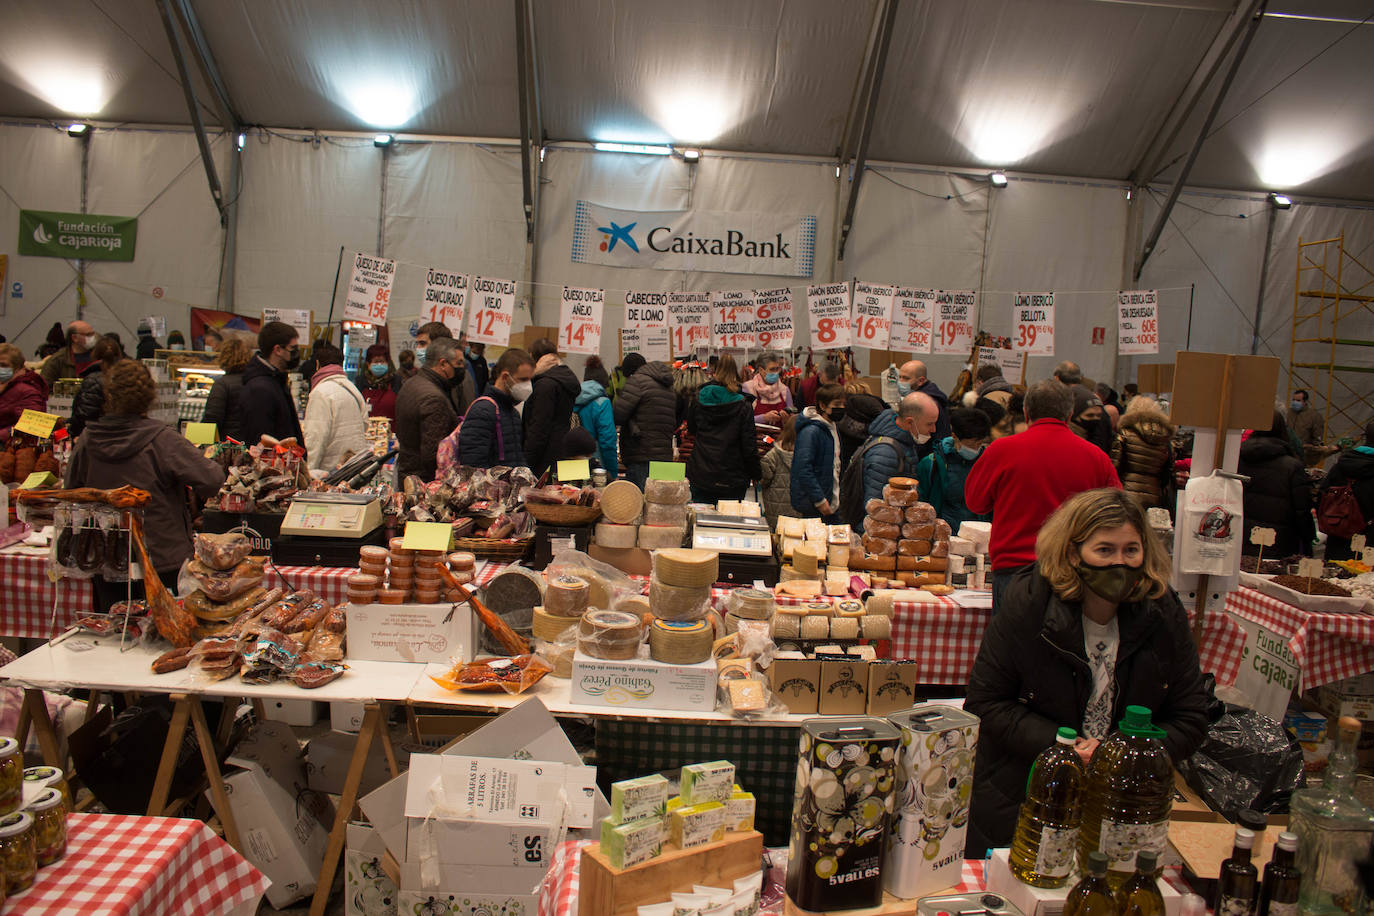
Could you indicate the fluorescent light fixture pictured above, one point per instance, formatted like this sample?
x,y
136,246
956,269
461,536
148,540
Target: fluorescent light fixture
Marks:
x,y
382,140
542,151
644,148
77,129
200,370
691,155
1280,201
998,179
242,139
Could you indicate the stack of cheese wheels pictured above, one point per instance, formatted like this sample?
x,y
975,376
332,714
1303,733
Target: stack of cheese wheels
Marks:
x,y
665,513
680,642
621,505
566,598
748,604
680,592
614,635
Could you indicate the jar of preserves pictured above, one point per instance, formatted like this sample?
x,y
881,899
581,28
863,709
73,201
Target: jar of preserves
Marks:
x,y
38,778
17,856
11,775
49,826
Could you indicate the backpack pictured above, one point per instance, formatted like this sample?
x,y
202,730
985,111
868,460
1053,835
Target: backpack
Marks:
x,y
852,510
447,456
1338,513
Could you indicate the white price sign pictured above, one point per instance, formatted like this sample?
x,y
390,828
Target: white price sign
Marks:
x,y
828,306
1009,361
651,343
773,318
1137,321
732,318
911,325
446,299
493,312
689,321
646,325
1033,323
297,318
956,316
579,320
369,289
872,315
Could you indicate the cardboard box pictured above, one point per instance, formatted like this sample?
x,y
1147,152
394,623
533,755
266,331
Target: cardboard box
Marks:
x,y
843,686
636,561
411,632
891,686
1188,805
346,717
328,756
796,682
367,889
643,684
1049,901
300,713
470,891
1353,696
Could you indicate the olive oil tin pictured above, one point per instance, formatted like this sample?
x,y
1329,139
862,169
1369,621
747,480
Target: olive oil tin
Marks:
x,y
925,852
841,816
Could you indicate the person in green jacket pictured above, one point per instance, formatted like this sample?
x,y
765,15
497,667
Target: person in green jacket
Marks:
x,y
941,474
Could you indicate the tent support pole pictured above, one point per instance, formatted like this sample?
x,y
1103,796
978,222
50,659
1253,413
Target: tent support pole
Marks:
x,y
1163,218
870,111
1264,274
522,78
192,107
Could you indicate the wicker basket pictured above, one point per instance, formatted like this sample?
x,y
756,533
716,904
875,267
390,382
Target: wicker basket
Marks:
x,y
494,548
551,514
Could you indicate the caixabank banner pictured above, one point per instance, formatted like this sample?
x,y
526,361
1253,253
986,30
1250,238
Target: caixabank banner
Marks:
x,y
49,234
705,240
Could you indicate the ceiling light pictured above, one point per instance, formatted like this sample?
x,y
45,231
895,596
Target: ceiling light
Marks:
x,y
77,129
382,103
998,180
691,155
1280,201
382,140
644,148
242,139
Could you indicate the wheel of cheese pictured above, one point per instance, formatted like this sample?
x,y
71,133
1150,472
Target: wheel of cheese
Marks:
x,y
678,602
652,537
787,626
560,655
634,604
549,627
880,606
844,628
753,604
875,626
815,627
680,642
667,492
671,514
609,634
621,502
609,534
686,567
567,596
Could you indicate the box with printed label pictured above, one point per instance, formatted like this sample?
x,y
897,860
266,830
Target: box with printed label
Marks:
x,y
367,889
1049,901
493,791
470,891
796,682
643,684
844,686
891,686
410,632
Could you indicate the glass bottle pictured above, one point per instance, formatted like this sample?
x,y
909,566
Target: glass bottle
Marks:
x,y
1279,893
1140,895
1092,896
1334,832
1238,886
1192,905
1042,849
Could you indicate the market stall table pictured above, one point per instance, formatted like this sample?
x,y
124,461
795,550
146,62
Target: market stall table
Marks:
x,y
128,866
1328,647
96,663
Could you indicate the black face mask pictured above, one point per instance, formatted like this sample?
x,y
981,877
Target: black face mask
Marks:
x,y
1116,582
295,361
837,415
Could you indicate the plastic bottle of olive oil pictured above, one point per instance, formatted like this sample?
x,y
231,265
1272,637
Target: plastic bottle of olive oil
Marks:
x,y
1140,895
1092,896
1046,838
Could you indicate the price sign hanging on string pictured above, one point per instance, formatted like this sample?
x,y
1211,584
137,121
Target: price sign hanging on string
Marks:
x,y
646,325
872,315
493,312
773,318
956,316
732,318
913,311
445,299
689,322
368,296
1137,321
579,320
827,305
1033,324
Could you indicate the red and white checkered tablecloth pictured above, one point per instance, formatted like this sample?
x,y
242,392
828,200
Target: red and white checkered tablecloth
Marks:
x,y
27,596
118,865
1328,647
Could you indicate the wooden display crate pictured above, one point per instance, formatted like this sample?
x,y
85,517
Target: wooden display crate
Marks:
x,y
604,891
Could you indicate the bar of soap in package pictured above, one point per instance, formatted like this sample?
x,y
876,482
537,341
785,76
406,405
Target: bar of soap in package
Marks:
x,y
707,782
630,844
697,825
636,799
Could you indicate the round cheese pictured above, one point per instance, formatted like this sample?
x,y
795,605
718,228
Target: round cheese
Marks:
x,y
686,567
609,634
875,626
609,534
680,642
667,492
656,536
815,627
675,515
549,627
567,596
787,626
844,628
677,602
621,502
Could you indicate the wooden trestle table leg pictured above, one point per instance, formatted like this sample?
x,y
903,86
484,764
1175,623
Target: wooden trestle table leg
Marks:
x,y
373,720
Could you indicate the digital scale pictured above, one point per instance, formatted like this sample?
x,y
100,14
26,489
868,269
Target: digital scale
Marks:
x,y
332,515
732,534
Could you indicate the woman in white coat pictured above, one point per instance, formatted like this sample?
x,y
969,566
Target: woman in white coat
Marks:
x,y
335,416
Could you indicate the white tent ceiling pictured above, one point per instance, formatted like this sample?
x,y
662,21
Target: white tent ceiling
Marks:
x,y
1060,87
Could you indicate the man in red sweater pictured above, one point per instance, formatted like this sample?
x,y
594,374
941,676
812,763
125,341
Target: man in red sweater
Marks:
x,y
1022,479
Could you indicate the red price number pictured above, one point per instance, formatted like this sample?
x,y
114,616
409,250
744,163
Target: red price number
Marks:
x,y
578,336
1025,336
484,322
949,332
872,328
825,330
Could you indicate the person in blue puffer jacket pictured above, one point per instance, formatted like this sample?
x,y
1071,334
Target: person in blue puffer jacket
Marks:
x,y
597,416
816,457
941,475
911,425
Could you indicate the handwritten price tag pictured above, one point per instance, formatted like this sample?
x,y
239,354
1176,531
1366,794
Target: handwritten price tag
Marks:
x,y
1262,537
956,316
873,315
36,423
368,296
580,320
1310,568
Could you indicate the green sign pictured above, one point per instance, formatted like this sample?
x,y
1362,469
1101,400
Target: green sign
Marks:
x,y
667,470
46,234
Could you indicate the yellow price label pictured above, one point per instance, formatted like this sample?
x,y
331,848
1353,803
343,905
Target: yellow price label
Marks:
x,y
38,480
201,433
427,536
667,470
574,469
37,423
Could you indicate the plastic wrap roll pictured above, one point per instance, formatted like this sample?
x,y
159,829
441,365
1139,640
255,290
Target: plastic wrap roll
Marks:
x,y
567,596
652,537
815,626
609,634
686,567
676,602
667,492
672,515
548,626
609,534
621,502
875,626
680,642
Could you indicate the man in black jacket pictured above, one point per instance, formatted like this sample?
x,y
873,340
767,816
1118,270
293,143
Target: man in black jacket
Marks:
x,y
646,412
491,434
424,413
265,406
464,387
548,415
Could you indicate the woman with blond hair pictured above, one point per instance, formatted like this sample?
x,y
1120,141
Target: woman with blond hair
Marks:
x,y
220,406
1143,453
1091,628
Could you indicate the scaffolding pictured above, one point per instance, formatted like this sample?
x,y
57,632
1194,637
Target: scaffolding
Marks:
x,y
1340,289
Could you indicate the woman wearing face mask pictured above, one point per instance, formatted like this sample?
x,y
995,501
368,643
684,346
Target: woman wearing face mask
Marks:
x,y
1090,629
816,459
20,389
379,382
941,474
772,398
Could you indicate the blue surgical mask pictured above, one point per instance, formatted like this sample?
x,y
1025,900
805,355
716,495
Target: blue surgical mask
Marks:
x,y
378,369
1297,405
903,389
419,356
771,378
6,373
969,453
467,352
